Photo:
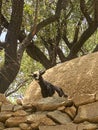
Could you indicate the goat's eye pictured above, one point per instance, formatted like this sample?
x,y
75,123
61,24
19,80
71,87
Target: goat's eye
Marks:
x,y
35,75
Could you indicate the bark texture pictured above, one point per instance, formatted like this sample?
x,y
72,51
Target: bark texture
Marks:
x,y
11,66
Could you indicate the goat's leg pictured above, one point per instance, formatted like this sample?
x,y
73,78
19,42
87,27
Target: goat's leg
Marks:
x,y
60,92
44,93
47,91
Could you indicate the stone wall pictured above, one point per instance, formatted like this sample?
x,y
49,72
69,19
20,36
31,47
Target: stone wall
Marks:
x,y
53,113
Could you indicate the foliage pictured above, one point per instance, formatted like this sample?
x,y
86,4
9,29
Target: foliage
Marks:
x,y
1,58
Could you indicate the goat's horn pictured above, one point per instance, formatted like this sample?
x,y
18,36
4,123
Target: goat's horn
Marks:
x,y
42,71
30,75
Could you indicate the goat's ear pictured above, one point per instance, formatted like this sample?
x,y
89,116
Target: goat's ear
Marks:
x,y
42,72
31,75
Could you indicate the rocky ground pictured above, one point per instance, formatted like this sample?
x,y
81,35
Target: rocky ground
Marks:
x,y
53,113
79,79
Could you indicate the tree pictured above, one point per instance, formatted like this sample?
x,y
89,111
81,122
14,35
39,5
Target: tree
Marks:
x,y
78,14
11,66
50,28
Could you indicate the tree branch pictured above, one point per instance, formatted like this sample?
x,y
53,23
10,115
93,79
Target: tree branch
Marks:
x,y
0,16
96,12
45,43
39,26
96,48
60,54
59,7
0,11
21,84
2,45
85,36
5,24
70,11
84,11
76,32
4,21
66,40
34,52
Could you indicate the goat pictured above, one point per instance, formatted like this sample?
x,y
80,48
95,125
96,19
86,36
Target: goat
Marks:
x,y
47,89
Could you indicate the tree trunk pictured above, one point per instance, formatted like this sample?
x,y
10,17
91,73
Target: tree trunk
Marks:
x,y
0,12
84,37
11,66
34,52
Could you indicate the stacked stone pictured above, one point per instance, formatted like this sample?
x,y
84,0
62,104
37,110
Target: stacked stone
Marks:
x,y
53,113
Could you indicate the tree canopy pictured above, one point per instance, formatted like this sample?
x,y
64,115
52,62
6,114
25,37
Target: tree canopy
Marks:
x,y
49,31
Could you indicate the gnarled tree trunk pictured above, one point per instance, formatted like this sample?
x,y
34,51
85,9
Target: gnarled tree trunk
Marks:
x,y
11,66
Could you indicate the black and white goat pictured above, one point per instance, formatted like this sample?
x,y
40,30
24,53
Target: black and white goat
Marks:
x,y
47,89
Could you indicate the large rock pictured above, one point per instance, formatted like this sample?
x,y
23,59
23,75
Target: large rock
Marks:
x,y
7,107
87,126
5,115
20,113
87,112
71,111
51,103
61,118
2,98
15,121
69,126
24,126
84,99
39,118
14,128
76,77
2,126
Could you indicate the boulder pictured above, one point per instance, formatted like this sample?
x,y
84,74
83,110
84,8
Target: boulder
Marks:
x,y
69,126
17,107
24,126
7,107
71,111
61,118
20,113
75,77
2,98
0,104
5,115
14,128
87,126
83,99
50,103
2,126
39,118
96,96
87,112
15,121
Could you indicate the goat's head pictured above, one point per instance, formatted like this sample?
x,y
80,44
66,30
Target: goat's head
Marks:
x,y
37,74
